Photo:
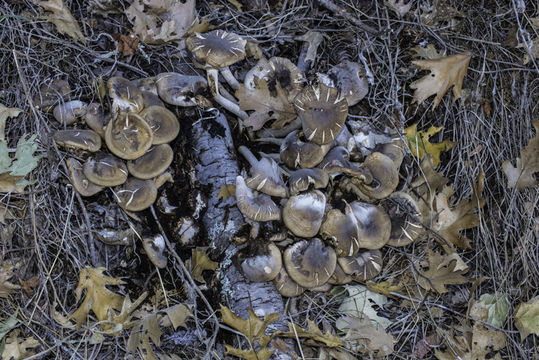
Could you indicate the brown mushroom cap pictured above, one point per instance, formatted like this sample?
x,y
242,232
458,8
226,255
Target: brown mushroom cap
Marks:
x,y
217,48
276,71
348,77
322,113
263,267
296,153
153,163
384,174
286,286
310,263
301,180
125,95
362,266
339,277
164,124
257,208
136,194
105,170
128,136
178,89
78,139
95,118
51,94
79,181
394,150
336,161
374,225
303,213
406,218
66,113
154,247
342,230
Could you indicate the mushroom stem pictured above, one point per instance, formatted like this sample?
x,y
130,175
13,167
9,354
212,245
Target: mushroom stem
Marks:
x,y
276,141
248,155
229,77
213,81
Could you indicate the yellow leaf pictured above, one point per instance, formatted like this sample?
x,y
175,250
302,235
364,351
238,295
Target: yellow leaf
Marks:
x,y
383,287
419,145
200,262
522,176
253,328
445,73
527,318
262,354
226,191
62,18
311,332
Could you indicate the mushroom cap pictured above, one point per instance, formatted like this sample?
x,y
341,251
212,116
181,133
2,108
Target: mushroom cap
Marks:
x,y
265,175
125,95
362,266
339,277
286,286
257,208
154,162
336,161
95,118
348,77
322,112
105,170
79,181
217,48
263,267
296,153
66,113
385,176
374,225
342,230
277,70
406,218
154,247
128,136
50,94
164,124
151,99
310,263
303,213
78,139
394,150
136,194
300,180
178,89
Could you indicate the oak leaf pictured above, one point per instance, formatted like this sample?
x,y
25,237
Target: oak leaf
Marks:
x,y
62,18
419,144
428,52
13,171
143,334
312,332
17,349
6,287
442,272
365,337
445,73
477,345
359,303
199,262
522,176
527,318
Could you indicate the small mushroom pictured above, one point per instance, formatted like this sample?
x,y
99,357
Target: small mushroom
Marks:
x,y
257,208
78,139
154,247
310,263
301,180
95,118
164,124
342,230
265,175
296,153
406,218
385,176
336,161
79,181
105,170
125,95
348,77
128,136
264,266
303,213
339,277
286,286
374,225
153,163
322,112
362,266
51,94
276,71
66,113
178,89
136,194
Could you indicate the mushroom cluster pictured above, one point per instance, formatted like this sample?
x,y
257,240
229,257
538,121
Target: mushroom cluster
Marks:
x,y
136,132
320,208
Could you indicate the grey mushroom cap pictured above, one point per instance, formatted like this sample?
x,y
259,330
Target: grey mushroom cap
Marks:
x,y
348,77
105,170
258,208
96,119
301,180
406,218
339,277
78,139
310,263
153,163
178,89
322,112
125,95
336,161
384,174
341,229
68,112
374,225
276,71
363,266
151,99
296,153
79,181
394,150
217,48
303,213
265,175
263,267
286,286
136,194
128,136
164,124
154,247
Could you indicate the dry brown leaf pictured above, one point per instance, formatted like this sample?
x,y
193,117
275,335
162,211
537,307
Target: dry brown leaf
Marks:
x,y
522,176
365,337
178,315
441,272
62,18
482,342
199,262
445,73
527,318
17,349
6,113
29,285
532,52
399,6
429,52
141,334
262,354
160,21
424,346
312,332
267,104
127,44
226,191
6,287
